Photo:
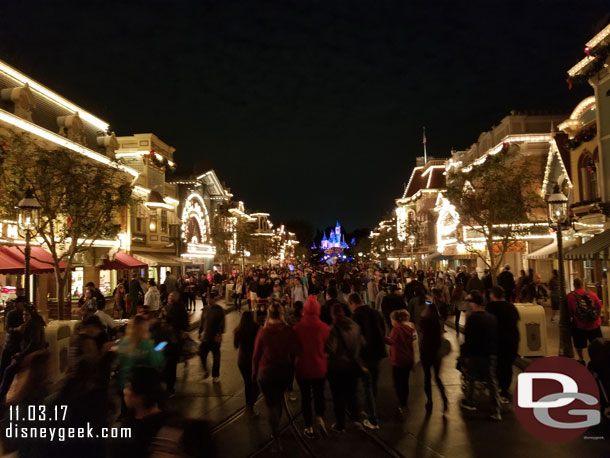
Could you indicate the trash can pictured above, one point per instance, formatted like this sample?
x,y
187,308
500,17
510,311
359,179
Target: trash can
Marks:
x,y
57,334
229,293
532,330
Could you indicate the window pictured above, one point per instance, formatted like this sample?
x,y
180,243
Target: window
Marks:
x,y
139,226
164,221
587,174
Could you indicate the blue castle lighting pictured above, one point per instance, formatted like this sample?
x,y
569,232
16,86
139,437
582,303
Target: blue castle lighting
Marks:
x,y
334,240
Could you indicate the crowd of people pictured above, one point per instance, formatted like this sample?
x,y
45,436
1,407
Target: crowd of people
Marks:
x,y
315,327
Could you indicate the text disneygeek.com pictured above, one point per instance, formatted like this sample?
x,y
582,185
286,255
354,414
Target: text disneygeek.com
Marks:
x,y
61,434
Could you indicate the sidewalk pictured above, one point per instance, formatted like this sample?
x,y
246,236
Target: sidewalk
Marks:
x,y
552,334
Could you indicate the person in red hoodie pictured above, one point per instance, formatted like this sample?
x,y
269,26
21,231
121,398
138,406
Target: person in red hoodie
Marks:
x,y
311,364
276,343
401,355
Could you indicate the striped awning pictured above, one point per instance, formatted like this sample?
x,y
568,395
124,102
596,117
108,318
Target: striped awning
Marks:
x,y
550,251
596,248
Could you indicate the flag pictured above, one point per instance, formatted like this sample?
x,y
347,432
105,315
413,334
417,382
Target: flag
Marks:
x,y
424,139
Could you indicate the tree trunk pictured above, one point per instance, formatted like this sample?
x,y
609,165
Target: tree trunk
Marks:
x,y
60,281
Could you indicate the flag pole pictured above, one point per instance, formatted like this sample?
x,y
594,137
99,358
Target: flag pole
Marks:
x,y
425,152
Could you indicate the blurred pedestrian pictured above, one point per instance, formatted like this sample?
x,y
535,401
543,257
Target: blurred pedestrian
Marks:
x,y
431,336
211,329
344,368
244,337
276,344
401,355
311,365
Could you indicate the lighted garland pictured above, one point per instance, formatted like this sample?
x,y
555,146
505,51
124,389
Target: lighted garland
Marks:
x,y
601,54
584,136
161,163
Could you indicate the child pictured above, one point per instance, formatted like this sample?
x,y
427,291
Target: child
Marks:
x,y
401,355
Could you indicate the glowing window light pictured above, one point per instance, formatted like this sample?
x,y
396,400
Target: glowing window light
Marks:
x,y
61,141
34,85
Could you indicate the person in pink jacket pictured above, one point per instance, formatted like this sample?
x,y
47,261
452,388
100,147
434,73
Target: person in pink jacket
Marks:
x,y
311,364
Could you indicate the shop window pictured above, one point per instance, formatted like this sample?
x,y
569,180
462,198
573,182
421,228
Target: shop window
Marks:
x,y
587,174
164,221
77,286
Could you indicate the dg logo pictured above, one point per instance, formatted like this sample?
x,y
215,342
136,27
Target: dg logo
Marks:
x,y
557,399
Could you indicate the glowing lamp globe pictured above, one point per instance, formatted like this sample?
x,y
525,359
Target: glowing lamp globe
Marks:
x,y
557,207
28,212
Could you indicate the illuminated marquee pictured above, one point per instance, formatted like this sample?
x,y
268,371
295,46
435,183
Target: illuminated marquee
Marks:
x,y
196,229
195,220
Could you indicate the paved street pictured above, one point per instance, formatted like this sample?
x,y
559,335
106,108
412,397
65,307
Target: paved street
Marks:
x,y
457,435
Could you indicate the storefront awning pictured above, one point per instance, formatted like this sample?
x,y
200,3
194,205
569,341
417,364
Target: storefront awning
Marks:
x,y
122,261
593,249
41,262
550,251
158,259
10,265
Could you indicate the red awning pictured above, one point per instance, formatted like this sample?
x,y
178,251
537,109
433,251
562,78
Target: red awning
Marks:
x,y
10,265
41,262
122,261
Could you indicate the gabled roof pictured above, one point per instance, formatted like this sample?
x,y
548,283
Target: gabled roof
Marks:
x,y
430,176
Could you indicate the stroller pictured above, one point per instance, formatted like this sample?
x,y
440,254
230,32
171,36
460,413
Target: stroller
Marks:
x,y
599,366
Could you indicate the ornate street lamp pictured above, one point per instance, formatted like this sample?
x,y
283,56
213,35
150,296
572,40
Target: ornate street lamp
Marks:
x,y
411,240
559,219
28,217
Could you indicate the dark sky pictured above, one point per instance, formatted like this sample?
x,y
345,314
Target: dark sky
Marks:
x,y
307,109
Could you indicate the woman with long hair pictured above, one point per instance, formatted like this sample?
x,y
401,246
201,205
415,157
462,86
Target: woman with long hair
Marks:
x,y
276,344
244,337
430,332
120,302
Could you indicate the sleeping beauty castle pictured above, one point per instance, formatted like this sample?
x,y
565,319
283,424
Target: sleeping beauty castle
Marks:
x,y
335,242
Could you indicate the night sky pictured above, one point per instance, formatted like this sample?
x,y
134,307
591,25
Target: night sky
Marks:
x,y
306,109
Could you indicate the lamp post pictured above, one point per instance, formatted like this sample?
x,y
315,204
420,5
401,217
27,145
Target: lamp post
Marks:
x,y
559,218
412,244
28,214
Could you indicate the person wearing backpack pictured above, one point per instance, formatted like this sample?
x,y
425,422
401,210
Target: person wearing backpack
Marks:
x,y
585,309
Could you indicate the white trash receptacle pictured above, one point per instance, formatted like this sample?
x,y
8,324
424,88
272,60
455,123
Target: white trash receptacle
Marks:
x,y
57,334
532,330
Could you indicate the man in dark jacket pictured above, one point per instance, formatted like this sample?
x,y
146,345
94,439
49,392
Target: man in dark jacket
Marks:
x,y
177,322
411,287
391,302
475,283
331,300
507,281
479,353
373,351
211,329
13,327
507,317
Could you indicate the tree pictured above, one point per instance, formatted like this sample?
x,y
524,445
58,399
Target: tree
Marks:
x,y
494,200
231,236
81,200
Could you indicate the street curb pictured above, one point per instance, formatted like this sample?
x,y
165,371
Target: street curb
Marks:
x,y
521,363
